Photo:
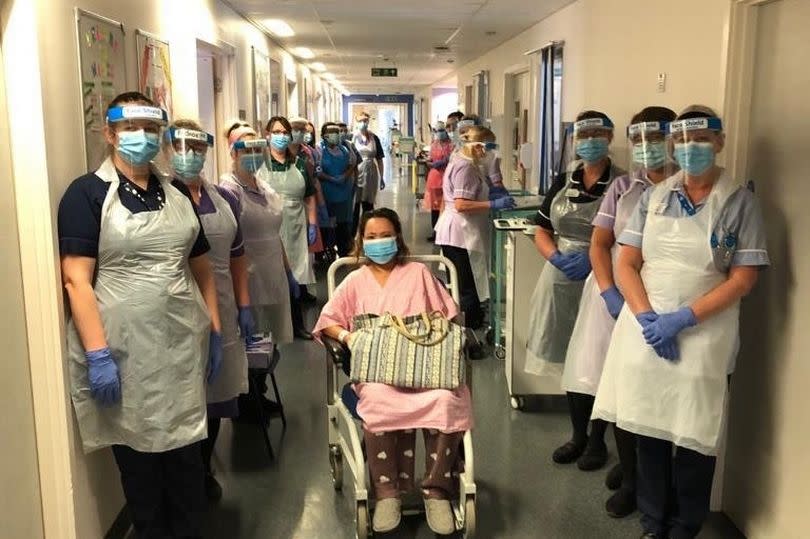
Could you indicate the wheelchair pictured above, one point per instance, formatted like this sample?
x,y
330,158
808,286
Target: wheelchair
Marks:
x,y
346,451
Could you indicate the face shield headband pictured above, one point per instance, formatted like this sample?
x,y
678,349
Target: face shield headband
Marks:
x,y
126,113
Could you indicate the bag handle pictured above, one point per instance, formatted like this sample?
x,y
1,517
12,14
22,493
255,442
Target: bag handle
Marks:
x,y
422,339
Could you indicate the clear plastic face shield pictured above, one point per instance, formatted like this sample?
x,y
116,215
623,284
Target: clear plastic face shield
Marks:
x,y
464,125
361,124
299,130
440,132
345,136
249,154
187,150
647,148
331,135
589,140
694,144
134,131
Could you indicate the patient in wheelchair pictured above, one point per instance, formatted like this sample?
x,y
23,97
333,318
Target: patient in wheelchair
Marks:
x,y
391,415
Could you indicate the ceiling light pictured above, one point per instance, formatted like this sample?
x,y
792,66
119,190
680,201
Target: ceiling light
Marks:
x,y
303,52
328,76
278,28
318,66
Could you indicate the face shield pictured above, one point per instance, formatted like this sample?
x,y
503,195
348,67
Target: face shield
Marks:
x,y
137,130
299,131
345,136
187,152
251,154
647,148
331,136
693,143
589,139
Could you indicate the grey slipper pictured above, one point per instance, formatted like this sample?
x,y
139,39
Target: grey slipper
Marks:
x,y
387,514
440,517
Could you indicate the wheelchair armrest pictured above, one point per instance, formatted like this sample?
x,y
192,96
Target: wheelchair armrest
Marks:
x,y
339,352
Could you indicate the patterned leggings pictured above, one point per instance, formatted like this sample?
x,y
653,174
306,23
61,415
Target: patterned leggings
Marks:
x,y
391,462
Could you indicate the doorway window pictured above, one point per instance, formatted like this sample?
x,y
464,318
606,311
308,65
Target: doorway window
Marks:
x,y
550,111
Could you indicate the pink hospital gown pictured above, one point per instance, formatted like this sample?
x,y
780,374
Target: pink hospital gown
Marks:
x,y
411,289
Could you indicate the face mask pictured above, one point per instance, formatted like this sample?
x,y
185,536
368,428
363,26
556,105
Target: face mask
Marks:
x,y
695,157
297,136
454,137
307,138
380,251
362,126
651,155
442,135
250,162
138,147
332,138
188,166
279,141
592,150
345,137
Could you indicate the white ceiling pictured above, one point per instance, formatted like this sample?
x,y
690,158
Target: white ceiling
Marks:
x,y
352,36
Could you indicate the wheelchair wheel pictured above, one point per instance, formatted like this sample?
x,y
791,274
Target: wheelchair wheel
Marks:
x,y
517,402
361,516
500,352
336,464
469,517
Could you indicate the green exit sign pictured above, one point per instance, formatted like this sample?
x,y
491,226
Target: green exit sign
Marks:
x,y
383,72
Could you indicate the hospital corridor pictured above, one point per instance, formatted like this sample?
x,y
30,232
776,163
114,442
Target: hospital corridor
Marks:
x,y
306,269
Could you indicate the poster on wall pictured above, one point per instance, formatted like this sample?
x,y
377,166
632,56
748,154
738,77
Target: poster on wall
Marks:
x,y
154,69
275,88
102,75
261,89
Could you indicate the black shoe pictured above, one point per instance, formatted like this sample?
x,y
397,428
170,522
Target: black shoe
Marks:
x,y
302,334
308,299
568,452
614,477
213,491
622,503
593,458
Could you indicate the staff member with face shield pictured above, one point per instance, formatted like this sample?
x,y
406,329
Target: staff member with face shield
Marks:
x,y
602,301
440,151
691,251
370,171
337,185
563,238
144,329
186,148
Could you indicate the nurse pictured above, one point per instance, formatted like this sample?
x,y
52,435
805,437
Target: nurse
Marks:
x,y
602,301
563,237
185,148
336,182
440,151
144,328
691,251
463,227
370,172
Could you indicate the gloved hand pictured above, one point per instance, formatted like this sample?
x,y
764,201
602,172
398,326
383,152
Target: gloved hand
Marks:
x,y
668,326
646,318
438,164
102,372
214,355
497,191
312,233
247,326
323,216
578,266
382,184
613,300
503,203
295,288
558,260
668,350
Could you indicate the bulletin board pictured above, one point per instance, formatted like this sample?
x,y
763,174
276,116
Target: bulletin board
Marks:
x,y
102,75
154,69
261,89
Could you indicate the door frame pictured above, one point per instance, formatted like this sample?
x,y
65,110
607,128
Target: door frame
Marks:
x,y
509,76
225,94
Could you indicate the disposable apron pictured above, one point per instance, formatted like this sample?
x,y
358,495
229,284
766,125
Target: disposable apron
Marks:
x,y
220,230
556,298
681,401
156,325
262,222
290,184
590,338
368,173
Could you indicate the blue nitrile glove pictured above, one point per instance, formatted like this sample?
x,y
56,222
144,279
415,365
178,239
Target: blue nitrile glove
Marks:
x,y
578,266
312,233
503,203
102,372
214,355
668,326
497,191
668,349
440,163
646,318
613,300
558,260
247,326
295,288
323,216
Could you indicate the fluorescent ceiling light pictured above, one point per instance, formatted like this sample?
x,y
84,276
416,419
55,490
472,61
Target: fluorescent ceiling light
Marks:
x,y
278,28
328,76
318,66
303,52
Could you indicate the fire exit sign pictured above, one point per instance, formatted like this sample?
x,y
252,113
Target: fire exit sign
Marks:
x,y
383,72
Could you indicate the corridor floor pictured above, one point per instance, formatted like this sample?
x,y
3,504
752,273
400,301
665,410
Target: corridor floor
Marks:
x,y
522,493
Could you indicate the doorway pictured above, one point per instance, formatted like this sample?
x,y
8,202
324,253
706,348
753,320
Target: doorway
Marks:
x,y
518,88
386,120
215,98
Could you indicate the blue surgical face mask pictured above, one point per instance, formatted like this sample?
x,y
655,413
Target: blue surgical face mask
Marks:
x,y
187,166
297,136
442,135
279,141
307,138
332,138
250,162
650,155
362,126
592,150
138,148
694,157
345,137
380,251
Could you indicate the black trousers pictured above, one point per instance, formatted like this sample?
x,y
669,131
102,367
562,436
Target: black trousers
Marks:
x,y
165,491
626,448
343,238
359,209
673,492
468,294
580,406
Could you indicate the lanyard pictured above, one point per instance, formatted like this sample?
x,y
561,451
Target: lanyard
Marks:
x,y
685,204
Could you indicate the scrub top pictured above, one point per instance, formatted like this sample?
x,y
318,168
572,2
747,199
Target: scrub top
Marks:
x,y
206,206
543,217
79,216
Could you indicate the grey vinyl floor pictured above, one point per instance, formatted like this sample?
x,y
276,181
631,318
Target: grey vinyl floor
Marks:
x,y
521,492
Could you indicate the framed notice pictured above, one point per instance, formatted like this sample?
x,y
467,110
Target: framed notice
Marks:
x,y
102,76
261,89
154,69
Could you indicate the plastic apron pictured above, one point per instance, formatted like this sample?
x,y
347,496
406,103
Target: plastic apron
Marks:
x,y
682,401
368,174
156,325
290,184
220,230
267,278
590,338
555,301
